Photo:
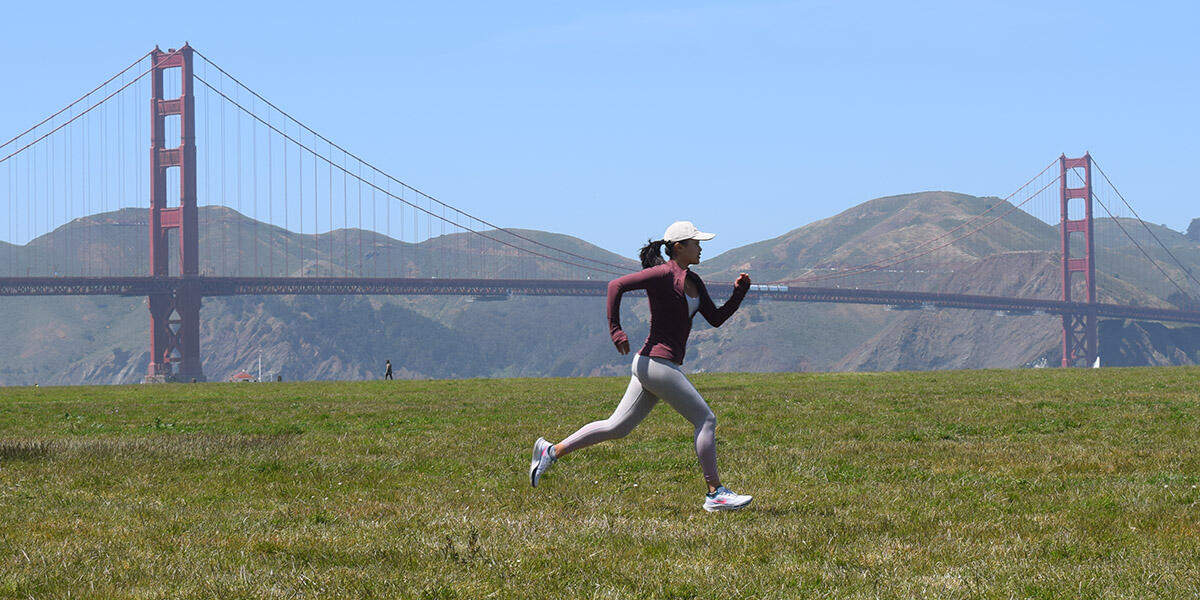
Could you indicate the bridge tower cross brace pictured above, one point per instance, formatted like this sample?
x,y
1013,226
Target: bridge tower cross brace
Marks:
x,y
1080,339
174,316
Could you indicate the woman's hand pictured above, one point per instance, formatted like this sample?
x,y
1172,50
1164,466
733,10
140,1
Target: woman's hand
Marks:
x,y
742,280
623,346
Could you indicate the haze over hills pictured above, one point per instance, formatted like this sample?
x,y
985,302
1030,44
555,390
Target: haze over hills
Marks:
x,y
69,340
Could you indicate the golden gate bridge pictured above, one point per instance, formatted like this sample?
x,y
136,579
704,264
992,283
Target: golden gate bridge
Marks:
x,y
324,221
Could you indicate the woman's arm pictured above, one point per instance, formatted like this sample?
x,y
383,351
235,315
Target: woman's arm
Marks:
x,y
633,281
716,316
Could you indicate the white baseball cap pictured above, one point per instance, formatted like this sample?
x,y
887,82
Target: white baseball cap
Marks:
x,y
684,230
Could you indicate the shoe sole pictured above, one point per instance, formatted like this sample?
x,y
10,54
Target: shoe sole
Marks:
x,y
727,507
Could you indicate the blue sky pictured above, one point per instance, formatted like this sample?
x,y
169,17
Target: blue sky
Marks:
x,y
609,120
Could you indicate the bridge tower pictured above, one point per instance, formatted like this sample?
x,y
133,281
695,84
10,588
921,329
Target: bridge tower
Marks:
x,y
174,316
1080,340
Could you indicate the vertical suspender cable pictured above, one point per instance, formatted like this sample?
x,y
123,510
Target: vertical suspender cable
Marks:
x,y
29,215
69,188
243,214
270,196
224,202
58,256
316,214
240,211
36,189
437,255
374,229
104,208
84,197
416,221
345,219
18,250
83,202
52,261
254,181
138,140
286,222
300,186
34,219
361,272
48,188
9,203
37,261
80,204
48,203
388,210
329,176
14,193
312,270
89,200
120,183
27,255
316,211
400,237
29,266
256,271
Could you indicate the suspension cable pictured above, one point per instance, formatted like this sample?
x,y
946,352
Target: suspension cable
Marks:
x,y
1135,242
1147,227
385,174
81,98
389,193
89,109
1139,246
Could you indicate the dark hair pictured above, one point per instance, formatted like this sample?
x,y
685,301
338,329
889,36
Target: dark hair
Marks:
x,y
650,254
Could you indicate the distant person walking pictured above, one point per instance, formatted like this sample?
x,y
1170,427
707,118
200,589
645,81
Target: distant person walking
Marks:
x,y
388,373
675,294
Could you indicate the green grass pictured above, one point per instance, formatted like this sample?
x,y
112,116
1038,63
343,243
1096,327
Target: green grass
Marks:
x,y
979,484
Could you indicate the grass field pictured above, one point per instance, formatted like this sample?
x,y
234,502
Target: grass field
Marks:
x,y
982,484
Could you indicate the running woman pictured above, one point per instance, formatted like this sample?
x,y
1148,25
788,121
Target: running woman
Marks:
x,y
676,294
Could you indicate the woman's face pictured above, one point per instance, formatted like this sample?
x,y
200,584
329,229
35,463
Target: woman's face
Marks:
x,y
687,252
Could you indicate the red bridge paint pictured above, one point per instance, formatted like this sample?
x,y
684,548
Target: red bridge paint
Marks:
x,y
174,312
174,292
1080,339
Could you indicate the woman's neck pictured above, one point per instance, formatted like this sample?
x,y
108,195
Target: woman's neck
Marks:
x,y
680,263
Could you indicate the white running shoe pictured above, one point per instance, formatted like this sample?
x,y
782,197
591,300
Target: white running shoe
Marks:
x,y
723,499
541,460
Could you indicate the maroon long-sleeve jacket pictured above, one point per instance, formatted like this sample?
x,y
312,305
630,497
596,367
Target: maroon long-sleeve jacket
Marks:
x,y
670,322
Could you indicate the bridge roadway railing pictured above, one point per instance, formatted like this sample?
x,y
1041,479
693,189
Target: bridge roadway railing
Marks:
x,y
499,288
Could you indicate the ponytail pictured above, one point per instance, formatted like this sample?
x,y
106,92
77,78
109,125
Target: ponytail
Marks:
x,y
651,253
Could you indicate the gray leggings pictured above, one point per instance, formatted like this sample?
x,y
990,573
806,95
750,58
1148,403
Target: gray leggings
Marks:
x,y
654,378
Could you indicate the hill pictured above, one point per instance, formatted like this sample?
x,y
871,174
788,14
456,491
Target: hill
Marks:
x,y
1017,256
103,340
63,340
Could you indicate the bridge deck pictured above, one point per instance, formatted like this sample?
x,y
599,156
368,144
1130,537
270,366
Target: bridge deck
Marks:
x,y
261,286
